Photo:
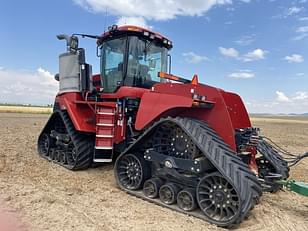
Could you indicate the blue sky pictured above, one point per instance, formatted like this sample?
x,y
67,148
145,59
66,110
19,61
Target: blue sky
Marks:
x,y
256,48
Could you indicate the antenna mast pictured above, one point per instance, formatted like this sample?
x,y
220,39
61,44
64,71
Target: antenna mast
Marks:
x,y
105,21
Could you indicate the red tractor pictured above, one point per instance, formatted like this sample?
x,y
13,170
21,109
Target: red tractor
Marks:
x,y
175,142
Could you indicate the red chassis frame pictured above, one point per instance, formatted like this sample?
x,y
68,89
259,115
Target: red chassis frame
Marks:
x,y
165,99
226,114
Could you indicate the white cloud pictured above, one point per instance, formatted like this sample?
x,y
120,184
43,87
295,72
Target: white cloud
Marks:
x,y
151,9
295,58
303,19
22,86
281,97
192,57
158,10
294,10
229,52
136,21
302,29
254,55
301,74
242,74
302,33
301,95
282,103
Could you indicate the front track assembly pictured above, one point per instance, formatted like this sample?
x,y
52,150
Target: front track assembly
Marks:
x,y
61,143
183,161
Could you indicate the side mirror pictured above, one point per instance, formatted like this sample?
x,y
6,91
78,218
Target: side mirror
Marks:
x,y
57,77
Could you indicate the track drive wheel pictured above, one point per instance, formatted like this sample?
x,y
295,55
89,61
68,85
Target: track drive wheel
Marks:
x,y
131,171
218,199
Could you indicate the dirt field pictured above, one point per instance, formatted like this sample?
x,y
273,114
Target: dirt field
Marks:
x,y
45,196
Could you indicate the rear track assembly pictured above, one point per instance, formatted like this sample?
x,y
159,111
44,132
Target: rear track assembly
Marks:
x,y
225,192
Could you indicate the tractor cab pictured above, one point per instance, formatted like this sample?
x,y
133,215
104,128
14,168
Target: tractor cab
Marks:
x,y
132,56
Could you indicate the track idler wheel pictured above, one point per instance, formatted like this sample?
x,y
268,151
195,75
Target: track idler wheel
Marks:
x,y
186,199
131,171
71,154
151,187
44,144
218,199
168,193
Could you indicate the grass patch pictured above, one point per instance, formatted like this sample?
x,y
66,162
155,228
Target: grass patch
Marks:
x,y
277,119
25,109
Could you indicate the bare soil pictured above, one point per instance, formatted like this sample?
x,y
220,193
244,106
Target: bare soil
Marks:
x,y
45,196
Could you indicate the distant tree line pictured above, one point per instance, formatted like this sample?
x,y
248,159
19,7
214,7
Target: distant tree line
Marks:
x,y
26,105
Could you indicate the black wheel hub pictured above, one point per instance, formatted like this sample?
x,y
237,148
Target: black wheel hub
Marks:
x,y
133,170
173,141
181,145
217,198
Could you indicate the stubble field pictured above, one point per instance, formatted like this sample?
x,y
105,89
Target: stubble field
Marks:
x,y
44,196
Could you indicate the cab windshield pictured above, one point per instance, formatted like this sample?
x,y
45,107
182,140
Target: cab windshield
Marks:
x,y
138,67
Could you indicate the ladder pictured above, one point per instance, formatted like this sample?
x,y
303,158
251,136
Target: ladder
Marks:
x,y
105,132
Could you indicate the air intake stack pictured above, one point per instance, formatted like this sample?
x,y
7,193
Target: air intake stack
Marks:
x,y
74,73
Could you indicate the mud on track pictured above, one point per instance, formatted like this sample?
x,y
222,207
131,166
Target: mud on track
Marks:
x,y
45,196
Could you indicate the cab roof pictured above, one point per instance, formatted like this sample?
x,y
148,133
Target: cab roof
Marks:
x,y
115,31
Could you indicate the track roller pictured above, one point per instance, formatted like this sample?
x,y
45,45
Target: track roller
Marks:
x,y
151,187
168,193
186,199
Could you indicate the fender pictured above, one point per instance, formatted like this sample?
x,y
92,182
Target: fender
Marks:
x,y
172,99
82,116
237,111
153,104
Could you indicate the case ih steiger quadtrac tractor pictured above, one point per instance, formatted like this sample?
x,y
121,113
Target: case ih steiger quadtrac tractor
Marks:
x,y
175,142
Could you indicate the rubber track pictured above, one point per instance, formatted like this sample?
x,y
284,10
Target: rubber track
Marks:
x,y
221,156
274,158
83,143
